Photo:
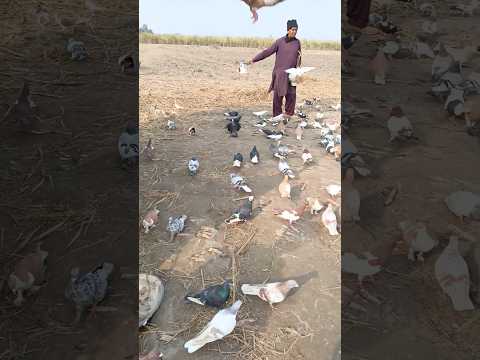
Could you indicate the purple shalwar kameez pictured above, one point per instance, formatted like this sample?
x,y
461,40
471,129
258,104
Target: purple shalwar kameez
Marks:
x,y
288,55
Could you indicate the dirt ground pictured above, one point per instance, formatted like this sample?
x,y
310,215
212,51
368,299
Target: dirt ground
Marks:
x,y
67,189
415,319
200,84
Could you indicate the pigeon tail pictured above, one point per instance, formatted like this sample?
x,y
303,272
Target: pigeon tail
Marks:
x,y
458,293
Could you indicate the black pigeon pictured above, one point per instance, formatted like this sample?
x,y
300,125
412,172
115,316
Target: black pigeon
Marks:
x,y
243,213
233,128
237,160
308,102
231,114
302,115
148,150
215,296
254,155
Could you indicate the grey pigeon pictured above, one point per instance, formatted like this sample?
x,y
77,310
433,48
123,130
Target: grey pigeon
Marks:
x,y
176,225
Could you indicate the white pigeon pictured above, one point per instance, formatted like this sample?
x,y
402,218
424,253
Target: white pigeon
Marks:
x,y
220,326
451,271
333,189
272,293
329,220
398,125
260,113
417,238
362,267
193,165
306,157
239,183
150,294
464,204
455,102
295,74
276,119
285,169
171,125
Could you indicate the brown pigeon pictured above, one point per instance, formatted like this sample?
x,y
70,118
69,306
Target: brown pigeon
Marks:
x,y
257,4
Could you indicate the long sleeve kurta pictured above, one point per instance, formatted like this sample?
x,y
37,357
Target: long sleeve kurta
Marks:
x,y
288,55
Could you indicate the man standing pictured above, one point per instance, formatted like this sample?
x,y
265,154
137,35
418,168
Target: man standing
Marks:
x,y
288,55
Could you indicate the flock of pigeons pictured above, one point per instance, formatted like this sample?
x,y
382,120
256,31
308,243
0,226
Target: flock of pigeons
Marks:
x,y
223,323
459,91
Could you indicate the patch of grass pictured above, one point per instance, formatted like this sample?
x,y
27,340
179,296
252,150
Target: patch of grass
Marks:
x,y
227,41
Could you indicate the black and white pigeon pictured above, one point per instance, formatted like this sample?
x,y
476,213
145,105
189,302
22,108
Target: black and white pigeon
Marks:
x,y
237,160
233,127
127,63
231,114
280,151
243,213
285,169
88,289
450,79
193,165
176,224
192,131
128,144
239,183
272,135
254,155
77,50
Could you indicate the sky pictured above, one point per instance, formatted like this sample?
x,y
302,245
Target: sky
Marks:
x,y
317,19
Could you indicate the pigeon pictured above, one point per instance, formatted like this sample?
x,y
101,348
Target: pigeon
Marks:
x,y
254,155
295,75
299,132
329,220
441,64
418,239
23,110
291,215
272,135
452,274
452,78
302,115
272,293
192,131
148,150
399,126
233,128
77,50
260,114
127,63
465,9
150,296
239,183
276,119
261,123
379,67
237,160
364,266
254,5
128,143
421,49
306,157
284,188
215,296
28,274
231,114
220,326
333,190
88,289
464,204
243,213
150,220
350,197
427,10
171,125
285,169
314,205
193,165
455,103
176,224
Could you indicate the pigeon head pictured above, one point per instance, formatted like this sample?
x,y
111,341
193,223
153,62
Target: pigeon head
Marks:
x,y
107,267
235,307
396,111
